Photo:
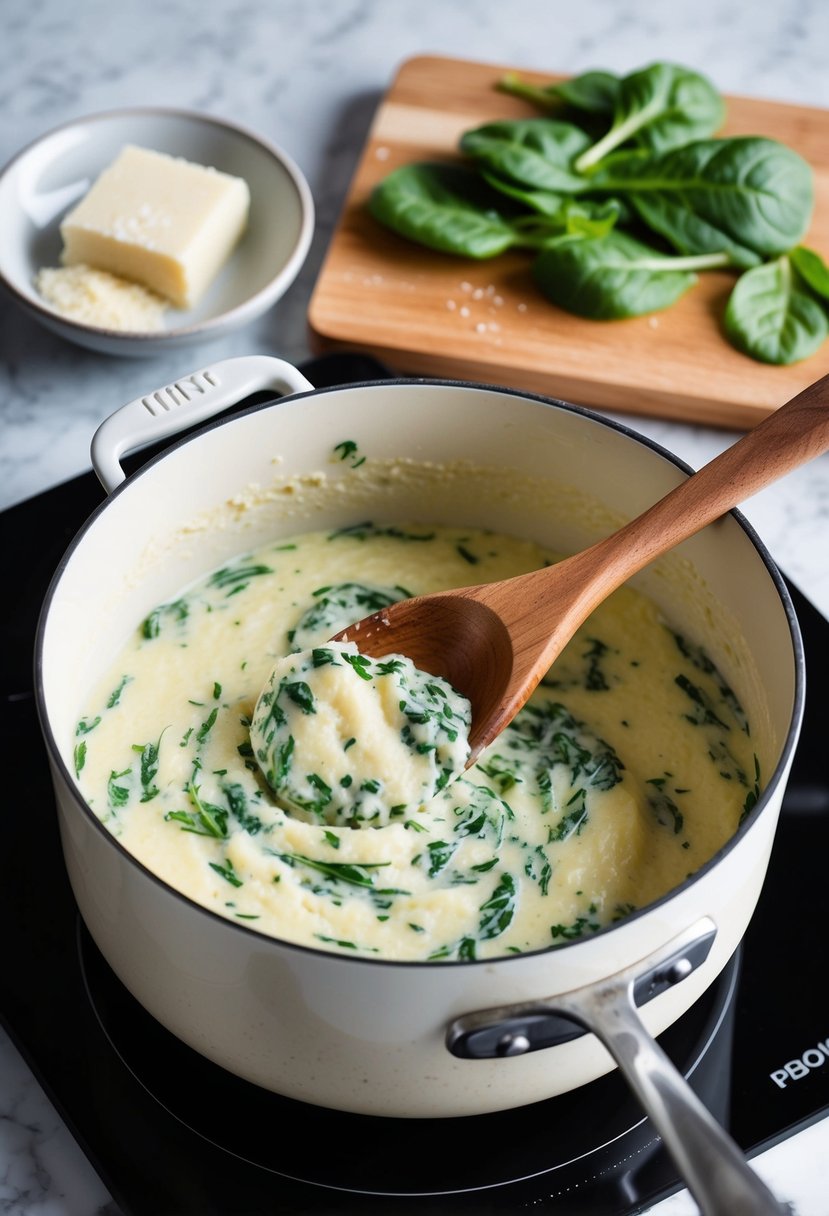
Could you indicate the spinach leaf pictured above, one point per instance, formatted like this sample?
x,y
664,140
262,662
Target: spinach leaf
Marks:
x,y
812,269
437,856
593,92
497,912
356,874
543,202
534,152
149,767
445,207
238,803
770,317
613,276
563,213
688,232
543,183
756,191
237,577
663,106
585,217
336,607
151,626
206,819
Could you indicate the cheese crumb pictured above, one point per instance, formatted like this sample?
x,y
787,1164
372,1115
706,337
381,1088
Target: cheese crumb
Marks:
x,y
96,297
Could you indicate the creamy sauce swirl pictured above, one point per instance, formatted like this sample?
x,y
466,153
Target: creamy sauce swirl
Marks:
x,y
629,767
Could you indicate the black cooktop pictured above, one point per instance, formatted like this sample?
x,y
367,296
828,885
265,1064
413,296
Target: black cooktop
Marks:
x,y
171,1134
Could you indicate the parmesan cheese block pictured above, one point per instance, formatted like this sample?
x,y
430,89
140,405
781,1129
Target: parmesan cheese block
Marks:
x,y
160,221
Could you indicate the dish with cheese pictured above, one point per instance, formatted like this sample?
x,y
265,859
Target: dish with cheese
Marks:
x,y
631,765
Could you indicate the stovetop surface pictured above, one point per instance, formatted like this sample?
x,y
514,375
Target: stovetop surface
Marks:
x,y
172,1135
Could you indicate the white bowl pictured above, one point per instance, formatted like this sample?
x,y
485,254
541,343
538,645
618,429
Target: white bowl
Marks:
x,y
47,178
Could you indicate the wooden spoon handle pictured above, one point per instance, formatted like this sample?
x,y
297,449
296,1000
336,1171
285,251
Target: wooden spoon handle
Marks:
x,y
794,434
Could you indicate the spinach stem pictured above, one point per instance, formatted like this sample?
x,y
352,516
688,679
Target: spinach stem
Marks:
x,y
700,261
511,83
618,134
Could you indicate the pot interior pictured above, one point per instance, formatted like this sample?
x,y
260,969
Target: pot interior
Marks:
x,y
440,453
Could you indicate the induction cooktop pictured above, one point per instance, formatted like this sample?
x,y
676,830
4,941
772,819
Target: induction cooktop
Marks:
x,y
172,1134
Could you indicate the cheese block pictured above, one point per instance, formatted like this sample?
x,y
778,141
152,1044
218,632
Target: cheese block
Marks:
x,y
158,220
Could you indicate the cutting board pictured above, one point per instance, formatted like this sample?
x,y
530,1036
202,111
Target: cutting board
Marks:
x,y
431,314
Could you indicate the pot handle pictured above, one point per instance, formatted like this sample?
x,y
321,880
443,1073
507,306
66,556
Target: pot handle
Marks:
x,y
194,398
713,1166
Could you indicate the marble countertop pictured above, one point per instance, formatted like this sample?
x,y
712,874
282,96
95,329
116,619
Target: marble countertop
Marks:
x,y
309,77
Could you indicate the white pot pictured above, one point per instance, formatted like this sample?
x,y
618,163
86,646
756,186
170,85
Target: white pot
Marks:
x,y
352,1033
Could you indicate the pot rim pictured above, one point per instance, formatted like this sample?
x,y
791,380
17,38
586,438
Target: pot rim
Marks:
x,y
629,432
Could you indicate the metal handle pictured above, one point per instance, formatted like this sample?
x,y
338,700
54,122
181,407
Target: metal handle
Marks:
x,y
194,398
712,1165
710,1162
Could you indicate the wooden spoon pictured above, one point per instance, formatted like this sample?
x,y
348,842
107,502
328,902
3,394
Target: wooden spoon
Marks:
x,y
493,642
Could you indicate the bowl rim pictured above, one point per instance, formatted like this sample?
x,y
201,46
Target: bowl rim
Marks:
x,y
254,304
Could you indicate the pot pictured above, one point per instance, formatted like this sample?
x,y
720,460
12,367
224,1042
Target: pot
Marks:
x,y
379,1037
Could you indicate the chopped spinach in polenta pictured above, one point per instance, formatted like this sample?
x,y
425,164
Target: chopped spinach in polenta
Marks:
x,y
629,767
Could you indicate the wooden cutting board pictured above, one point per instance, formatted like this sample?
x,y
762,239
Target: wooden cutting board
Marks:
x,y
431,314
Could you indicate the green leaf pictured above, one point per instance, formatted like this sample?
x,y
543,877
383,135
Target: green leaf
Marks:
x,y
207,819
611,277
355,874
238,803
115,695
757,192
812,269
206,726
336,608
688,232
227,872
533,152
771,318
118,795
445,207
562,213
545,96
233,576
538,868
662,106
571,823
544,202
366,528
594,92
588,218
85,726
149,753
300,693
499,909
361,664
177,611
438,855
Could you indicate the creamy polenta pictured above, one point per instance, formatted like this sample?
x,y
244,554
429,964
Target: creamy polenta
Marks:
x,y
343,738
629,767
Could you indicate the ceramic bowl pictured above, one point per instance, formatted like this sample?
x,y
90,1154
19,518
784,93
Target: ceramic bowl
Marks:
x,y
47,178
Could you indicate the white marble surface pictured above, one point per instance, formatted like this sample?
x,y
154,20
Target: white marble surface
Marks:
x,y
309,75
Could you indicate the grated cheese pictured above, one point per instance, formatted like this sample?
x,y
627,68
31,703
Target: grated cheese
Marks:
x,y
96,297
